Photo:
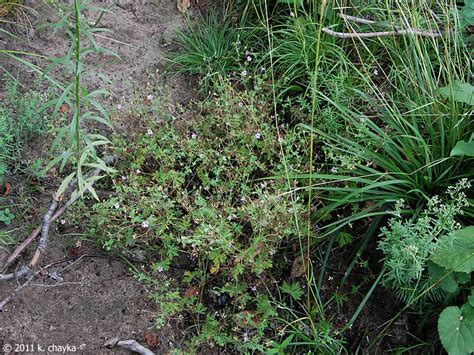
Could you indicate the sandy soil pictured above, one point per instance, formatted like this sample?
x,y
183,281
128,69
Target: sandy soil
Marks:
x,y
97,297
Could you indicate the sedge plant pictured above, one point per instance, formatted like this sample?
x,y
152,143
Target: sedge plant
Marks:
x,y
401,146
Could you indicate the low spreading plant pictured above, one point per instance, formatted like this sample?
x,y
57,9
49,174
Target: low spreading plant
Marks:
x,y
6,216
22,121
190,193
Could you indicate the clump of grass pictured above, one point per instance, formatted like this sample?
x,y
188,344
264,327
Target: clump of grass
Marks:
x,y
212,48
402,132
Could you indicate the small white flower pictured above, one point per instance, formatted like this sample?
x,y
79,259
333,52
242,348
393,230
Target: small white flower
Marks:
x,y
194,136
334,170
160,269
117,206
258,135
254,288
63,221
145,224
241,104
149,132
376,72
150,97
119,106
242,199
123,177
229,245
292,14
138,171
249,58
244,72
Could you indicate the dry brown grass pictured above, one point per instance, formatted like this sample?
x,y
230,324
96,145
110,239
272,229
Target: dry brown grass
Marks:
x,y
8,6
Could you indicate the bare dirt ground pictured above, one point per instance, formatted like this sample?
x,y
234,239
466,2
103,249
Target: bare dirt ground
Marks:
x,y
89,299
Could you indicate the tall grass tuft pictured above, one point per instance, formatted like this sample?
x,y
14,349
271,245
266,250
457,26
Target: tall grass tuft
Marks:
x,y
212,49
403,129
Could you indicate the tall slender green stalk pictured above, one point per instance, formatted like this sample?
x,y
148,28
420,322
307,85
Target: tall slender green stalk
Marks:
x,y
314,103
77,96
81,144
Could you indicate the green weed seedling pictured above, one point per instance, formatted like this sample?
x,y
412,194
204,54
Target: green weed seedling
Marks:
x,y
6,216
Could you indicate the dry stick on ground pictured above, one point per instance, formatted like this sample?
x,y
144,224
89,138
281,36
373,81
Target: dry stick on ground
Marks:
x,y
33,275
130,345
395,32
23,285
381,34
47,220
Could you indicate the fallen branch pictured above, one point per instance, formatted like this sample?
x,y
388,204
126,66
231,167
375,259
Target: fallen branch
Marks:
x,y
27,271
381,34
44,233
15,275
130,345
356,19
44,229
19,249
29,279
395,32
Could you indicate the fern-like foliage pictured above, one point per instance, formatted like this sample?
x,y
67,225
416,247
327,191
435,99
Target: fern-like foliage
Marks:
x,y
408,244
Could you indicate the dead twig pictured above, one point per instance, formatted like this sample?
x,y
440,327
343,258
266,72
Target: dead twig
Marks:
x,y
44,229
25,271
356,19
58,284
395,32
130,345
19,249
15,275
381,34
29,279
44,233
